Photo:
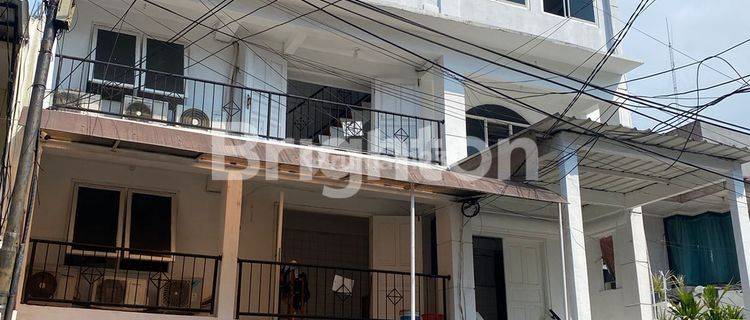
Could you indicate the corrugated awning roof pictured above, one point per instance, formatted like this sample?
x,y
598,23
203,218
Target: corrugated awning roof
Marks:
x,y
670,140
613,164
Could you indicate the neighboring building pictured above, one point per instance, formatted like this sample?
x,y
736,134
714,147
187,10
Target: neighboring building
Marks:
x,y
14,50
186,175
691,234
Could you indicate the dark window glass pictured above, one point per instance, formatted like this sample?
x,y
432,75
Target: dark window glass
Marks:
x,y
116,48
607,247
96,217
151,222
518,1
168,59
496,132
475,140
582,9
555,7
489,278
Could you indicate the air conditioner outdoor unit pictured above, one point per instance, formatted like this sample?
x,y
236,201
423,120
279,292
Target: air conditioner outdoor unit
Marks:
x,y
41,285
68,285
63,286
65,11
193,117
145,108
76,100
181,294
116,291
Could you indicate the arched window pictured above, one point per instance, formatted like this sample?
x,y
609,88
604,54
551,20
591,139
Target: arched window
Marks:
x,y
489,123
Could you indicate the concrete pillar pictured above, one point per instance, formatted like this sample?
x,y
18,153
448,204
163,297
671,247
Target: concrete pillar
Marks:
x,y
230,244
741,228
576,274
455,258
633,272
454,101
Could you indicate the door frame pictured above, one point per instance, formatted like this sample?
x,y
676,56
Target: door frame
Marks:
x,y
505,283
508,235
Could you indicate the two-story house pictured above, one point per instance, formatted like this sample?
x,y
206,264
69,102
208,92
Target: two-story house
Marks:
x,y
226,159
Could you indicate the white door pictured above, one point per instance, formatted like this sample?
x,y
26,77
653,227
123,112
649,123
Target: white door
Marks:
x,y
524,280
264,72
390,251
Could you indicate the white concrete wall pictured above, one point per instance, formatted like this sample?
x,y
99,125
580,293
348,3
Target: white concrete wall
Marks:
x,y
529,18
426,94
657,247
605,303
79,41
197,210
544,232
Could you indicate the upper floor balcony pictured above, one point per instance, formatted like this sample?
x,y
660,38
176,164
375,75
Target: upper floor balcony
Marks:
x,y
310,114
268,72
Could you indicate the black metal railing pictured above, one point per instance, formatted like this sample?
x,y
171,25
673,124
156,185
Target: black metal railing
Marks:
x,y
293,290
174,99
78,275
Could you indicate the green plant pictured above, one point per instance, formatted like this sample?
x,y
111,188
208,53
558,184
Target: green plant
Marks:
x,y
687,307
684,305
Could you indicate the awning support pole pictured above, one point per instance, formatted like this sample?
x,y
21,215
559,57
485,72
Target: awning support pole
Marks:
x,y
413,255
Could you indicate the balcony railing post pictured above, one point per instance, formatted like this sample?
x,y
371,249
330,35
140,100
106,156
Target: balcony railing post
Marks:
x,y
29,270
441,142
59,72
338,293
268,116
445,298
84,272
239,290
214,284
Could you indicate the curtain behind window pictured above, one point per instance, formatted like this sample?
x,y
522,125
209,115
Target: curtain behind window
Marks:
x,y
702,248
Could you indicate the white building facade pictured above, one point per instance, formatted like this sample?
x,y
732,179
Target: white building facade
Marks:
x,y
198,159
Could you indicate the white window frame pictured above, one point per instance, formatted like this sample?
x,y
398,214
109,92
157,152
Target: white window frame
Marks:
x,y
128,216
144,53
511,126
123,221
566,9
74,206
94,37
524,5
141,41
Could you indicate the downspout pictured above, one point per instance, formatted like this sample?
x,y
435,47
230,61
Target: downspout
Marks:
x,y
230,109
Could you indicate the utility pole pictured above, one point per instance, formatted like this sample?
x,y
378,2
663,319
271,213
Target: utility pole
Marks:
x,y
9,262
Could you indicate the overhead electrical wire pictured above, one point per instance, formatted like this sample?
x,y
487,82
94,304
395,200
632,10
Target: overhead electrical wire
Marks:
x,y
615,93
418,93
531,65
520,103
642,6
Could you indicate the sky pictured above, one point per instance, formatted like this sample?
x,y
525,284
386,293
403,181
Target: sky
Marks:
x,y
700,29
